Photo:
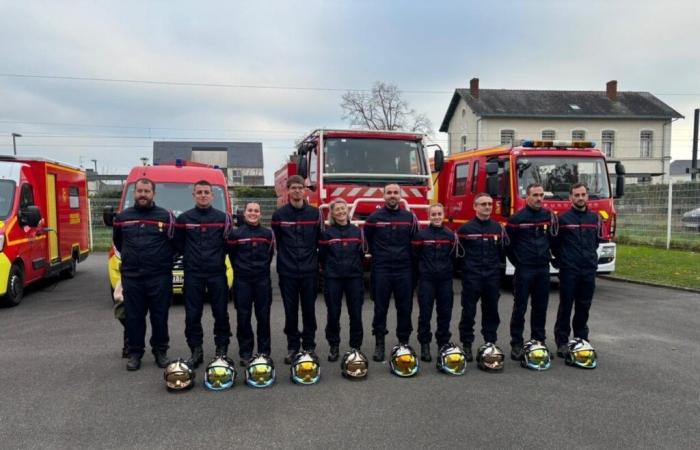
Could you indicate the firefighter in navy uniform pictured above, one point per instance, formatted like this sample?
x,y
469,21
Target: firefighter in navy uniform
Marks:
x,y
389,231
434,249
143,236
250,250
341,255
297,227
200,237
529,231
575,255
482,241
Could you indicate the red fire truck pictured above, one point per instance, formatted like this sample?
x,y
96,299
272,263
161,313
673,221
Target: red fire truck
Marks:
x,y
44,222
505,172
355,165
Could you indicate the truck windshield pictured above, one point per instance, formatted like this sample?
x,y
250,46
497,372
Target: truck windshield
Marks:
x,y
390,158
557,174
7,195
177,197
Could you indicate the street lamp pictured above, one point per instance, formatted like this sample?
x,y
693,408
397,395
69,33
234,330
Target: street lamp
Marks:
x,y
94,161
14,144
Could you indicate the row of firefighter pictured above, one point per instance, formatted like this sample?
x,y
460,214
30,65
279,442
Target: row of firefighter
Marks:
x,y
405,258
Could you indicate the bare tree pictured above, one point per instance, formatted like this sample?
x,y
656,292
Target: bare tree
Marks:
x,y
383,108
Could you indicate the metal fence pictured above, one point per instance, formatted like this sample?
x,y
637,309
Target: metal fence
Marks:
x,y
660,215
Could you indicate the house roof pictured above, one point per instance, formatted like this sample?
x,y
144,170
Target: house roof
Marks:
x,y
508,103
679,166
238,154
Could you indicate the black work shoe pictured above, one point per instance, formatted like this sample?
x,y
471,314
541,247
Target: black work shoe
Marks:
x,y
468,355
134,363
196,358
425,353
562,350
162,360
245,359
516,353
290,356
333,353
379,351
125,352
221,350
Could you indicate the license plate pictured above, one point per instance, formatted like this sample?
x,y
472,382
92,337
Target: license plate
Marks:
x,y
178,279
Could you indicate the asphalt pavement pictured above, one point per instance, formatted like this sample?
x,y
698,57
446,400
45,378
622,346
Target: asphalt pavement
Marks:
x,y
64,385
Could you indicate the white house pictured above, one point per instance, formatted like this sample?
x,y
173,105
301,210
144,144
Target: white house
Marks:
x,y
632,127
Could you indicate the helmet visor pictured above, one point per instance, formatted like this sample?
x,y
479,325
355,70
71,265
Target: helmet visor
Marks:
x,y
584,358
306,372
492,361
405,364
356,369
177,380
454,363
218,377
260,375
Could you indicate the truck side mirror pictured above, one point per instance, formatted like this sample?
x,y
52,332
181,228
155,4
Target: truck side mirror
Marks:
x,y
108,215
303,167
491,167
492,185
438,160
29,216
619,180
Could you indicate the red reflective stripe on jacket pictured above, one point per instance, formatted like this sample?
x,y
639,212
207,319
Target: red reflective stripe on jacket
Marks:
x,y
289,224
338,240
140,222
246,240
432,241
479,235
583,225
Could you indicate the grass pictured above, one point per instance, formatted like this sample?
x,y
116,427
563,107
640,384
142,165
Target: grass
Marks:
x,y
655,265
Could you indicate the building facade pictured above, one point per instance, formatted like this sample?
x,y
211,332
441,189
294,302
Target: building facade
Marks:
x,y
632,127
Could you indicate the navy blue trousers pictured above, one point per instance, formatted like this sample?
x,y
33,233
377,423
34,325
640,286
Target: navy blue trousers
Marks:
x,y
533,283
249,294
575,291
401,285
147,295
296,291
216,287
438,293
474,288
334,288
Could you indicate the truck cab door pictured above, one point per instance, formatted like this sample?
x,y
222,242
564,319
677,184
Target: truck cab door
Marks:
x,y
457,206
34,239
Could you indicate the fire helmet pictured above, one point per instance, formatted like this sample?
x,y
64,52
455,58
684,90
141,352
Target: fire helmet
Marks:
x,y
260,372
306,368
403,362
581,354
490,358
354,364
178,376
536,356
452,360
220,374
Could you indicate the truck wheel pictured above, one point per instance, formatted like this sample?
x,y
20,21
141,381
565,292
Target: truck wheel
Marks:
x,y
71,270
15,287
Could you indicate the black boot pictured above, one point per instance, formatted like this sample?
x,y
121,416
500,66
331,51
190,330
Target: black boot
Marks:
x,y
134,363
516,352
333,354
379,349
162,360
468,355
221,350
562,350
290,356
196,358
425,353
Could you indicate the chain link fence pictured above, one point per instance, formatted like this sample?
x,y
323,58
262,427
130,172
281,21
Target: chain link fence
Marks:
x,y
660,215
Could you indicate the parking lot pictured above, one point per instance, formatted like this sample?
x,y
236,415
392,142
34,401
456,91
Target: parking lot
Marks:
x,y
64,384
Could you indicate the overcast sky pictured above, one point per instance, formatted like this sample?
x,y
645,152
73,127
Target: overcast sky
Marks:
x,y
270,71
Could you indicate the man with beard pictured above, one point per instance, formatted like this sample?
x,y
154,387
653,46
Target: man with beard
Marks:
x,y
143,236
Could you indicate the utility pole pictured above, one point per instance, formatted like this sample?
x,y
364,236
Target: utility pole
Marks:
x,y
694,163
14,144
144,160
94,161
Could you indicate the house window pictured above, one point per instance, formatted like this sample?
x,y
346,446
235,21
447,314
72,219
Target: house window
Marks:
x,y
73,197
507,137
463,143
549,135
608,138
460,182
464,112
578,135
645,141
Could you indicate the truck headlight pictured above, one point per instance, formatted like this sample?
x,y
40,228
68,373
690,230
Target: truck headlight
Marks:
x,y
607,252
2,241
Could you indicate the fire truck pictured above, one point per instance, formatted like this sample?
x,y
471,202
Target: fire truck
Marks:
x,y
355,165
505,172
174,181
44,222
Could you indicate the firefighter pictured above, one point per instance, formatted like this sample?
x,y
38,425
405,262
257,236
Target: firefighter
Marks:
x,y
389,231
250,250
341,256
143,236
529,231
575,255
200,237
434,249
297,227
482,241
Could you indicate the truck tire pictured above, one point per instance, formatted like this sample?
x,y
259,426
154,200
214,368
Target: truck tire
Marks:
x,y
15,287
71,270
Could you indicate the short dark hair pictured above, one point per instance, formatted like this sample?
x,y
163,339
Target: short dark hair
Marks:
x,y
533,185
202,183
481,194
576,186
145,180
295,179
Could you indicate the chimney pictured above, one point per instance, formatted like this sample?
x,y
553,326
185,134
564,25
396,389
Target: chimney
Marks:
x,y
611,88
474,87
